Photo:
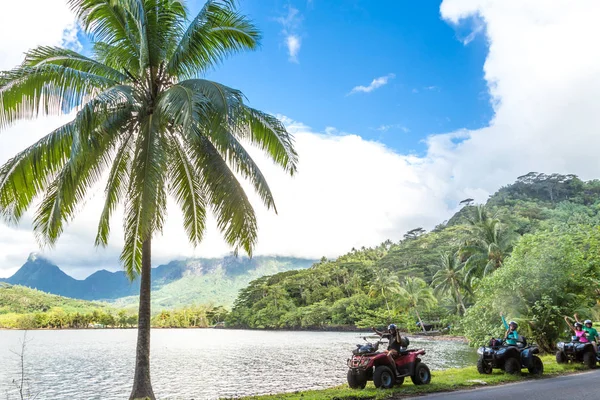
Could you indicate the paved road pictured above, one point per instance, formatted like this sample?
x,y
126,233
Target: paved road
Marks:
x,y
578,386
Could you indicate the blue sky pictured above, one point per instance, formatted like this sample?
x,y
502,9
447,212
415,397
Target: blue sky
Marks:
x,y
436,82
536,59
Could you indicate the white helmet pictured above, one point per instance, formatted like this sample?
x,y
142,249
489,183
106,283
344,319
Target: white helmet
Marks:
x,y
587,321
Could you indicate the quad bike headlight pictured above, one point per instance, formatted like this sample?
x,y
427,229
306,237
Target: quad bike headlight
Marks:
x,y
364,362
480,351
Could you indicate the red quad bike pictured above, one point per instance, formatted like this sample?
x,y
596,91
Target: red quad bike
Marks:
x,y
369,364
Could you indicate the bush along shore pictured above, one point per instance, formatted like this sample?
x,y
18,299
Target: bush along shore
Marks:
x,y
441,381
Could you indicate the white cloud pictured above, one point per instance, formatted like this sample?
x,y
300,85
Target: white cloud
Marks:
x,y
293,42
375,83
385,128
291,25
543,79
46,22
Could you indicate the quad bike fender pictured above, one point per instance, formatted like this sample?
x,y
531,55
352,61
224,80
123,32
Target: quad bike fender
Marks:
x,y
379,359
527,356
508,352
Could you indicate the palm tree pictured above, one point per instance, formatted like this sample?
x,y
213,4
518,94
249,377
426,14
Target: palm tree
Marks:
x,y
382,284
147,124
489,246
417,295
450,278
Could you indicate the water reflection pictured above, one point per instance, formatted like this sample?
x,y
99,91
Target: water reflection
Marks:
x,y
194,363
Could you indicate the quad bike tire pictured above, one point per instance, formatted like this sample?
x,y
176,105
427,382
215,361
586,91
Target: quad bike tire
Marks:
x,y
383,377
589,359
537,366
561,357
422,375
356,381
483,367
512,366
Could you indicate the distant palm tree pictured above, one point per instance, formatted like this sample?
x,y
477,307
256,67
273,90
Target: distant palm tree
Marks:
x,y
417,295
383,284
489,245
450,277
147,122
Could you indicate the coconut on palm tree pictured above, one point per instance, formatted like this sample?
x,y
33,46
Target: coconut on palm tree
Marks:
x,y
417,296
147,126
450,278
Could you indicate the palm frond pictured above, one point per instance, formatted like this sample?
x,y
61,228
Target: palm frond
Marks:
x,y
45,55
234,213
48,89
24,176
109,22
68,189
216,32
187,190
239,159
115,187
145,207
270,135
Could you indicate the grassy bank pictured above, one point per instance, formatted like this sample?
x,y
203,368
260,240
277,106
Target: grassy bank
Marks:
x,y
441,381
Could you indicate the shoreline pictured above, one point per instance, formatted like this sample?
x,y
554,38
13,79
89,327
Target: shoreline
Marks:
x,y
447,338
450,380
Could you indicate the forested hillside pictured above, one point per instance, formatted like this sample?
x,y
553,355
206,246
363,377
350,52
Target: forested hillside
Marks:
x,y
530,251
25,308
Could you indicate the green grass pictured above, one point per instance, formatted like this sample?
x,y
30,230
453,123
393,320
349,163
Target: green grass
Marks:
x,y
441,381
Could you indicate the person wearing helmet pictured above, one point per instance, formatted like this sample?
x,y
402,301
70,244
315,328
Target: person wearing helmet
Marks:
x,y
591,333
577,328
511,336
394,344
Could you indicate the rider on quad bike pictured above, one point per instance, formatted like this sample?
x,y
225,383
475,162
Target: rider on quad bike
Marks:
x,y
385,370
394,344
511,337
510,354
591,333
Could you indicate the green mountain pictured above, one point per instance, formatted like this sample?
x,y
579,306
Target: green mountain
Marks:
x,y
178,283
369,286
216,282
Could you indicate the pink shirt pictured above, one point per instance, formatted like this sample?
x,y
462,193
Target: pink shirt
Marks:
x,y
580,335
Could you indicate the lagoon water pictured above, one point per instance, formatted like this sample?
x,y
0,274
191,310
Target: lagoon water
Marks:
x,y
191,363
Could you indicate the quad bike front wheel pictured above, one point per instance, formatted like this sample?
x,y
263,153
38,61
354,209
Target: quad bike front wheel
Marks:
x,y
537,366
383,377
356,381
561,357
512,366
589,359
422,375
484,367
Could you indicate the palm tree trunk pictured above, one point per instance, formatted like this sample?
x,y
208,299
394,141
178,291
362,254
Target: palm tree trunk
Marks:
x,y
459,297
388,311
420,320
142,387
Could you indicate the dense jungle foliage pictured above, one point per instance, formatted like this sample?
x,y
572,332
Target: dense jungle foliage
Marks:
x,y
531,252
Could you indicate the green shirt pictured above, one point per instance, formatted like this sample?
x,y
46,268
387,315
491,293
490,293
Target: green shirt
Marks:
x,y
592,333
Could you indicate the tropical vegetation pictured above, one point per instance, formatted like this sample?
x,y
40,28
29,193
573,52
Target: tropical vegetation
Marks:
x,y
25,308
146,123
531,251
